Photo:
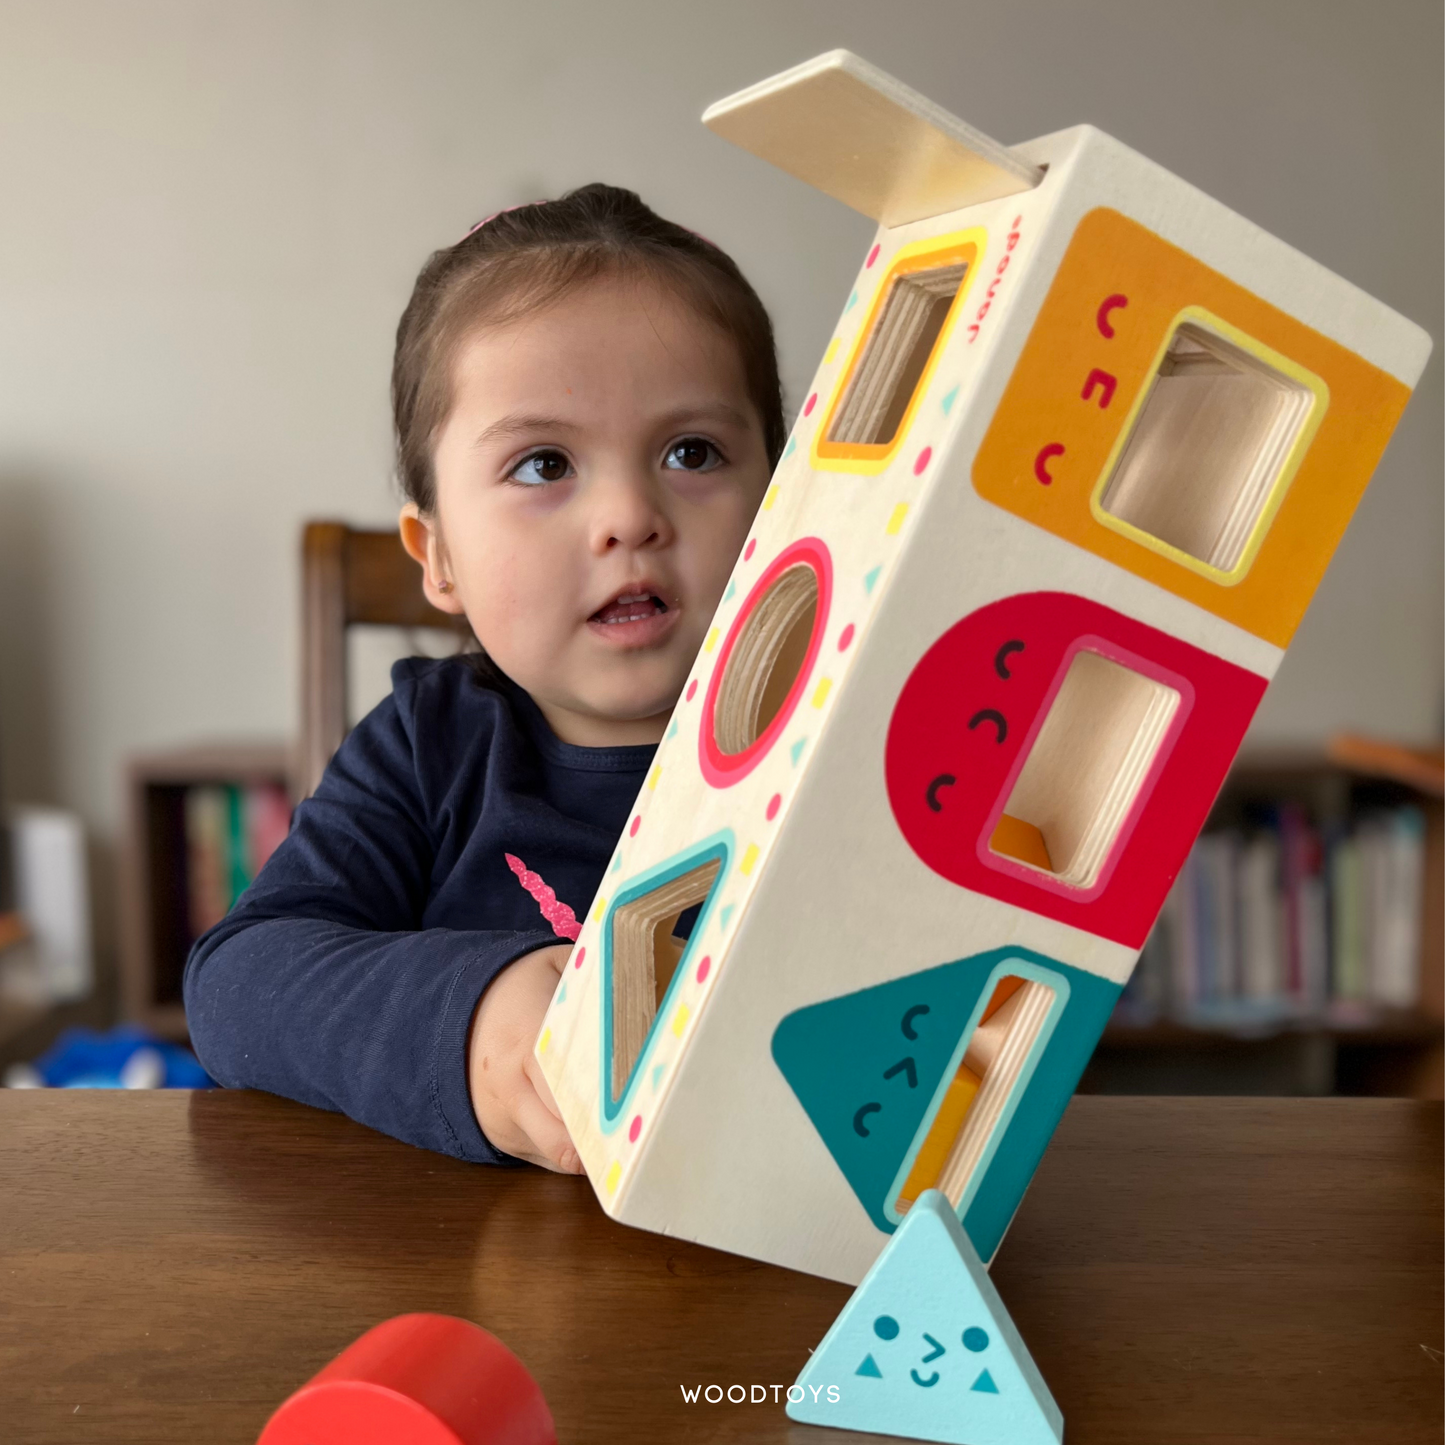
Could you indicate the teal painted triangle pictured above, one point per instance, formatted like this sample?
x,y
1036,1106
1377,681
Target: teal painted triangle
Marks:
x,y
562,994
791,447
728,595
617,862
852,302
871,578
672,731
949,400
797,750
657,1073
726,914
924,1314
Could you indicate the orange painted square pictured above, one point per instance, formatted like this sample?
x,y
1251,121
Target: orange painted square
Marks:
x,y
1044,409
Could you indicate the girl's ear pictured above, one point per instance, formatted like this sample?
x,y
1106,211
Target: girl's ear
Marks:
x,y
422,540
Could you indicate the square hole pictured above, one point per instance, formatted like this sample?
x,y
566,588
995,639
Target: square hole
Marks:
x,y
995,1066
895,356
1213,445
1084,771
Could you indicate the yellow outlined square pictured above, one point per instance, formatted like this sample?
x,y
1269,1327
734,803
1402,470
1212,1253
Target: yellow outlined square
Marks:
x,y
958,248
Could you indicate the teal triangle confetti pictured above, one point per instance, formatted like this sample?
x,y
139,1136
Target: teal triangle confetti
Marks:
x,y
726,914
949,400
562,994
617,862
852,302
871,578
797,750
672,731
791,447
921,1311
657,1073
728,595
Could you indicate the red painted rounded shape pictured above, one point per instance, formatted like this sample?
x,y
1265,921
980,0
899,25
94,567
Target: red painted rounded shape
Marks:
x,y
704,966
872,257
581,954
636,824
750,549
845,638
808,405
924,457
692,690
774,803
724,769
417,1380
634,1129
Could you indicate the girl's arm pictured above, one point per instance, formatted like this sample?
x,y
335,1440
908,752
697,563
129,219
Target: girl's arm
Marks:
x,y
321,985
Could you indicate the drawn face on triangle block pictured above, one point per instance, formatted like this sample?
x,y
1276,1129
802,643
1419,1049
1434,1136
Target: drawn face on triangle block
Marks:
x,y
1061,757
878,1072
925,1348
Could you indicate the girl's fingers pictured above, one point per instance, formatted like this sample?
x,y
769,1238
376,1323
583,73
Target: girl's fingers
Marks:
x,y
552,1145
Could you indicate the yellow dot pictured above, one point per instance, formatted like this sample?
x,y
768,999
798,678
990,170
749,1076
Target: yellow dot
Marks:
x,y
749,858
820,693
711,641
654,776
544,1041
832,350
599,910
895,522
680,1018
771,497
613,1175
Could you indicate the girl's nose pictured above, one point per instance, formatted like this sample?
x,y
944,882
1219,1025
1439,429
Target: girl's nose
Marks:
x,y
627,513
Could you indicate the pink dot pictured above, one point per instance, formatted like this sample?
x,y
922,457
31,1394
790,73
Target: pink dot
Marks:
x,y
635,1129
692,690
808,405
845,638
636,824
872,257
774,803
581,954
703,967
750,549
923,459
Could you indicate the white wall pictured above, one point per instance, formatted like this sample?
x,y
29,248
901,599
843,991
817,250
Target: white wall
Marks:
x,y
213,213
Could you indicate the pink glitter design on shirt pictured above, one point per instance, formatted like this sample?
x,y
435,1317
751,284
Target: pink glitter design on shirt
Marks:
x,y
558,914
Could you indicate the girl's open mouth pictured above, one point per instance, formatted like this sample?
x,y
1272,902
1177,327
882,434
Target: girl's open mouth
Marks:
x,y
634,619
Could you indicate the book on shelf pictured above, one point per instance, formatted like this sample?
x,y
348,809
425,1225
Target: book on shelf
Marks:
x,y
1289,922
230,832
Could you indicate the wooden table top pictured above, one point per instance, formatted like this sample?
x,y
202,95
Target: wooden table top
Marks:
x,y
173,1265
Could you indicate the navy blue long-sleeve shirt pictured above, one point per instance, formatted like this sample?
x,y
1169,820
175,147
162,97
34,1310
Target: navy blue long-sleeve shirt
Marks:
x,y
347,974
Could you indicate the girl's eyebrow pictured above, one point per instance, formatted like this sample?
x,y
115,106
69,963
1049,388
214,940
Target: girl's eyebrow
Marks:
x,y
708,411
519,423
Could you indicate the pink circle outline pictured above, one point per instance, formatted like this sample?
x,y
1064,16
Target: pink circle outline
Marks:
x,y
722,769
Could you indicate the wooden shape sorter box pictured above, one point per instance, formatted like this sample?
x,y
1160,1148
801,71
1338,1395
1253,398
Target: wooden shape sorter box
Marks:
x,y
1067,476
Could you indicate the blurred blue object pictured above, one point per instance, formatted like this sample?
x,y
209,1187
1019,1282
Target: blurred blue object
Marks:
x,y
128,1057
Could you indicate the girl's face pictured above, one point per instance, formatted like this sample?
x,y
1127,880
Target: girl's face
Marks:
x,y
596,479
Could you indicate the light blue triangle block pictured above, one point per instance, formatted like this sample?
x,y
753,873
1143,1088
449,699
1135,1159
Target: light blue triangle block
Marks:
x,y
947,1363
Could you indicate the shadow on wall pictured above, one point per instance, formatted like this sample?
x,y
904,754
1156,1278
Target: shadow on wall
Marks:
x,y
30,652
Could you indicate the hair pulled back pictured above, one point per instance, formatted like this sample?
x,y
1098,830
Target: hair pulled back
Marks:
x,y
521,260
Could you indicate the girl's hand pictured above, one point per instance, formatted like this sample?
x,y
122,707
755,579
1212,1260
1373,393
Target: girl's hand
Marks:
x,y
510,1097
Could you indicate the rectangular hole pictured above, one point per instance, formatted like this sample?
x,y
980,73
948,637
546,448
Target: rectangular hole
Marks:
x,y
645,955
993,1067
1208,445
895,355
1084,771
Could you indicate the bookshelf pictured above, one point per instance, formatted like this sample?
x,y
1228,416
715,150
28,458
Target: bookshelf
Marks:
x,y
195,818
1364,1010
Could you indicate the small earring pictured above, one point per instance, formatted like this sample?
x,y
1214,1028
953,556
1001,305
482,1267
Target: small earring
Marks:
x,y
444,586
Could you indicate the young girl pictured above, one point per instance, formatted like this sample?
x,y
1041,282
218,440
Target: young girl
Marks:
x,y
587,412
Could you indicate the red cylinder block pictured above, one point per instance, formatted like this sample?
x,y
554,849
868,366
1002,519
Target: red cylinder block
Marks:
x,y
417,1380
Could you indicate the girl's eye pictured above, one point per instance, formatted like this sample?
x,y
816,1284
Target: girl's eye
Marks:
x,y
692,454
541,467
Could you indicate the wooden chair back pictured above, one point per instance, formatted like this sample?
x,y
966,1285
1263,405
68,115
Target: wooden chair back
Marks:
x,y
349,576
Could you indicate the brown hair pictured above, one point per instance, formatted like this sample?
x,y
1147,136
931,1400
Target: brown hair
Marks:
x,y
523,259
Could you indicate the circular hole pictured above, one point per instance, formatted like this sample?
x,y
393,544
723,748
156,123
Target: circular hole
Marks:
x,y
766,659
